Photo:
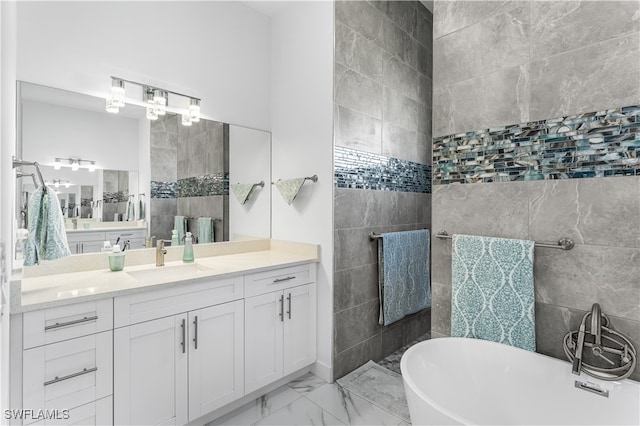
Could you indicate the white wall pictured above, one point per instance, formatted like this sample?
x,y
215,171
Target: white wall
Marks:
x,y
218,51
7,176
249,162
50,131
302,140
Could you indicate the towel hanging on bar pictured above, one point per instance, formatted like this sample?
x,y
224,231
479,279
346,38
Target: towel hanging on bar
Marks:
x,y
289,188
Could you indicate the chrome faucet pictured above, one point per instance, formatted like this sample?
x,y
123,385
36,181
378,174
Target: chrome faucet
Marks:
x,y
596,324
160,252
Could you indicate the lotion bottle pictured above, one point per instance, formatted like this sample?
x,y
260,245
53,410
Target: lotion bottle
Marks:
x,y
187,256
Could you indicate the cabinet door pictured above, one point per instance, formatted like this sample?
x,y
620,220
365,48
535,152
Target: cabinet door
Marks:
x,y
150,372
90,246
299,327
263,340
216,357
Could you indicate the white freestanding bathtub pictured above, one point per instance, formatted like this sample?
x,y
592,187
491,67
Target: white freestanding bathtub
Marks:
x,y
469,381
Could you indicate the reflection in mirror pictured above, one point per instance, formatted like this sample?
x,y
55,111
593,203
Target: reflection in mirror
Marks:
x,y
185,171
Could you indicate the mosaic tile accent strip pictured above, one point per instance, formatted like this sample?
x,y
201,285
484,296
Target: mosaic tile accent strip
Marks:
x,y
593,144
365,170
161,189
201,186
115,197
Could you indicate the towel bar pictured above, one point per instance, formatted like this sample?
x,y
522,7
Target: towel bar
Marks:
x,y
18,163
563,243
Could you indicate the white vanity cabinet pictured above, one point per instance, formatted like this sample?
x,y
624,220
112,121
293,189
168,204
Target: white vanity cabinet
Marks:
x,y
203,346
166,356
81,241
67,363
280,324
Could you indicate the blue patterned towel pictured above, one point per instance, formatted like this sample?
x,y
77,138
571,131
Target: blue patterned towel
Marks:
x,y
404,282
492,295
47,238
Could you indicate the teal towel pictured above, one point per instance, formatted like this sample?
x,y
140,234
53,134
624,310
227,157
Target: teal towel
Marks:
x,y
492,294
180,225
47,238
130,214
205,230
289,188
404,278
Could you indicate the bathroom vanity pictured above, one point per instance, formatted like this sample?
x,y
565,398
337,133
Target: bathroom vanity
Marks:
x,y
154,345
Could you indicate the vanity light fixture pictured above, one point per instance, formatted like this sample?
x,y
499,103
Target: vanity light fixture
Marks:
x,y
75,163
57,182
155,100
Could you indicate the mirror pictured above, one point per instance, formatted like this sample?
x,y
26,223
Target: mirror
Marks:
x,y
147,173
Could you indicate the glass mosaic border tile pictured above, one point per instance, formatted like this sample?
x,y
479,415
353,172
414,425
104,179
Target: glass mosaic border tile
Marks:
x,y
115,197
161,189
364,170
593,144
206,185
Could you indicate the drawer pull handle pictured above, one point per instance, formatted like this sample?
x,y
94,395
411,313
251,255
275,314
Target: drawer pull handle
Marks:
x,y
184,336
68,323
289,299
195,339
281,308
71,376
279,280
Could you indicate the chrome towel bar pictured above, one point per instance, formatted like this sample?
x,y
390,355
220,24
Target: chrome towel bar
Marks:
x,y
563,243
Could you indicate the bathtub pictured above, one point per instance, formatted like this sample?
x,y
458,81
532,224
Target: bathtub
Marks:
x,y
468,381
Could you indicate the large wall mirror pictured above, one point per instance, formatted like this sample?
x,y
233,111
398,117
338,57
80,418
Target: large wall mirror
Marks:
x,y
131,172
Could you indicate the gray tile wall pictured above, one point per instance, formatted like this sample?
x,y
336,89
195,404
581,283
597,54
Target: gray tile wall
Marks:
x,y
164,168
552,59
204,150
382,104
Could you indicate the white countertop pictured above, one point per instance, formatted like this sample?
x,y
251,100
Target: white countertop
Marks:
x,y
57,289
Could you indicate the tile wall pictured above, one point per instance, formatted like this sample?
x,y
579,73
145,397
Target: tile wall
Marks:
x,y
382,157
507,63
189,175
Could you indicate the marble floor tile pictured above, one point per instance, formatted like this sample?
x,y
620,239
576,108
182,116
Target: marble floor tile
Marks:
x,y
300,412
392,362
379,386
307,383
350,408
260,408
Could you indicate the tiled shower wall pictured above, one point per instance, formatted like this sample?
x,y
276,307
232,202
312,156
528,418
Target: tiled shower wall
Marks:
x,y
382,131
189,175
551,59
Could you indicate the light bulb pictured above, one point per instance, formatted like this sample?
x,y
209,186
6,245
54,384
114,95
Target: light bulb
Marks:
x,y
186,120
57,164
117,92
160,101
194,110
66,185
75,165
112,107
151,114
92,166
56,183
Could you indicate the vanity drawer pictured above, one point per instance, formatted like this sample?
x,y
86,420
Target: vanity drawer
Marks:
x,y
68,374
97,413
66,322
125,235
136,308
278,279
84,236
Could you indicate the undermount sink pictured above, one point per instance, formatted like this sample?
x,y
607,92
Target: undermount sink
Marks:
x,y
170,273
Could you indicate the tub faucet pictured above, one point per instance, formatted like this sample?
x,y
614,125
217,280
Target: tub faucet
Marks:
x,y
596,324
160,252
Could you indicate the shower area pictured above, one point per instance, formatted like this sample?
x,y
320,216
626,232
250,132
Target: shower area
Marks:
x,y
382,164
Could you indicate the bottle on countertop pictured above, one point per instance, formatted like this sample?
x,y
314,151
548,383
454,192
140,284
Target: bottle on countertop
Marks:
x,y
174,238
187,256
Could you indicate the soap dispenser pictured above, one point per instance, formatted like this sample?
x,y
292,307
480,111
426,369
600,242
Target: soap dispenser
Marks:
x,y
175,241
187,256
